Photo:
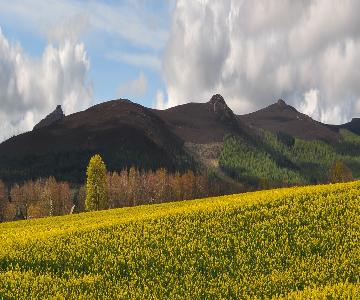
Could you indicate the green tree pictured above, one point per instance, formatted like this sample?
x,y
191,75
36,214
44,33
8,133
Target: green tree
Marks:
x,y
96,185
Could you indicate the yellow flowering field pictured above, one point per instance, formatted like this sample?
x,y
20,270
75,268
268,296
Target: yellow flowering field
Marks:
x,y
293,243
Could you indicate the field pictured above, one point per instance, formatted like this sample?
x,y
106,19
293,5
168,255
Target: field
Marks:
x,y
295,243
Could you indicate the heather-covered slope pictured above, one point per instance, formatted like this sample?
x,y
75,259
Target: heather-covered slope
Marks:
x,y
202,123
280,117
124,133
188,136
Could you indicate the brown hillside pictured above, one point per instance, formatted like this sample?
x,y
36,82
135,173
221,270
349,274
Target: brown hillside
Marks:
x,y
280,117
201,123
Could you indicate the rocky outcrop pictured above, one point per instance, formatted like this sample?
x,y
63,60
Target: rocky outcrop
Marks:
x,y
222,111
51,118
281,103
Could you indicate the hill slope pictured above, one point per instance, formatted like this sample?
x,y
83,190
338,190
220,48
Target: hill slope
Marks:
x,y
353,126
124,133
263,244
270,160
202,123
281,117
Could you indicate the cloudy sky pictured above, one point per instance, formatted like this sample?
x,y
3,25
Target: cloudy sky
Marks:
x,y
161,53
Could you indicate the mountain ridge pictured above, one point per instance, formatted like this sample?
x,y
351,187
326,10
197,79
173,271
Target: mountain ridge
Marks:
x,y
129,134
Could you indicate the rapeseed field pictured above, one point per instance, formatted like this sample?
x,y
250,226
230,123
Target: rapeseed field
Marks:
x,y
293,243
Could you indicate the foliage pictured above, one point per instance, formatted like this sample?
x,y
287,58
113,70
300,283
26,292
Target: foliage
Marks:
x,y
293,243
339,173
280,160
134,187
96,185
47,197
34,199
2,200
331,291
250,163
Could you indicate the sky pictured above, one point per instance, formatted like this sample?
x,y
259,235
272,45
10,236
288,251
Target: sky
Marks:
x,y
162,53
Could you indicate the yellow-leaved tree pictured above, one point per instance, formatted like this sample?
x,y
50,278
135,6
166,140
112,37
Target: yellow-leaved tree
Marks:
x,y
96,185
339,172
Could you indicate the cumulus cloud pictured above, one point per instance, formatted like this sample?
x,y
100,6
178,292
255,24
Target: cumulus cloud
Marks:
x,y
253,52
31,88
134,88
310,105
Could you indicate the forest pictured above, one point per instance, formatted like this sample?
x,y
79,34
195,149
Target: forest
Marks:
x,y
272,160
70,166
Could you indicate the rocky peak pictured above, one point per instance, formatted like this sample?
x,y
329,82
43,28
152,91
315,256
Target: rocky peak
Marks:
x,y
58,110
282,106
219,105
222,111
51,118
217,99
281,102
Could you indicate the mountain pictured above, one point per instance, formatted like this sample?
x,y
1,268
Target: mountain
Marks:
x,y
290,148
125,134
281,117
202,123
274,140
352,126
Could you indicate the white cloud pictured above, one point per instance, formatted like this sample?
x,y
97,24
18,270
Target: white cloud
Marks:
x,y
254,52
69,29
310,105
134,88
31,88
129,20
159,100
144,60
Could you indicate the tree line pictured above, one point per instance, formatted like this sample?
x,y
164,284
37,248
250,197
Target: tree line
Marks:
x,y
133,187
34,199
129,187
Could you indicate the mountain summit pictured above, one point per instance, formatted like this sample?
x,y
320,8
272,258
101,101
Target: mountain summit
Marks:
x,y
51,118
201,123
222,110
281,117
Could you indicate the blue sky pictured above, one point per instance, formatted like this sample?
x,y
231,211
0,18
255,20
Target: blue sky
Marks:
x,y
108,49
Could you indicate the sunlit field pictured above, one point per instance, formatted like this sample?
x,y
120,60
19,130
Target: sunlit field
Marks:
x,y
293,243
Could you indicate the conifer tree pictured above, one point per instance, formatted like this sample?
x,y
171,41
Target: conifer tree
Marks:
x,y
96,185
